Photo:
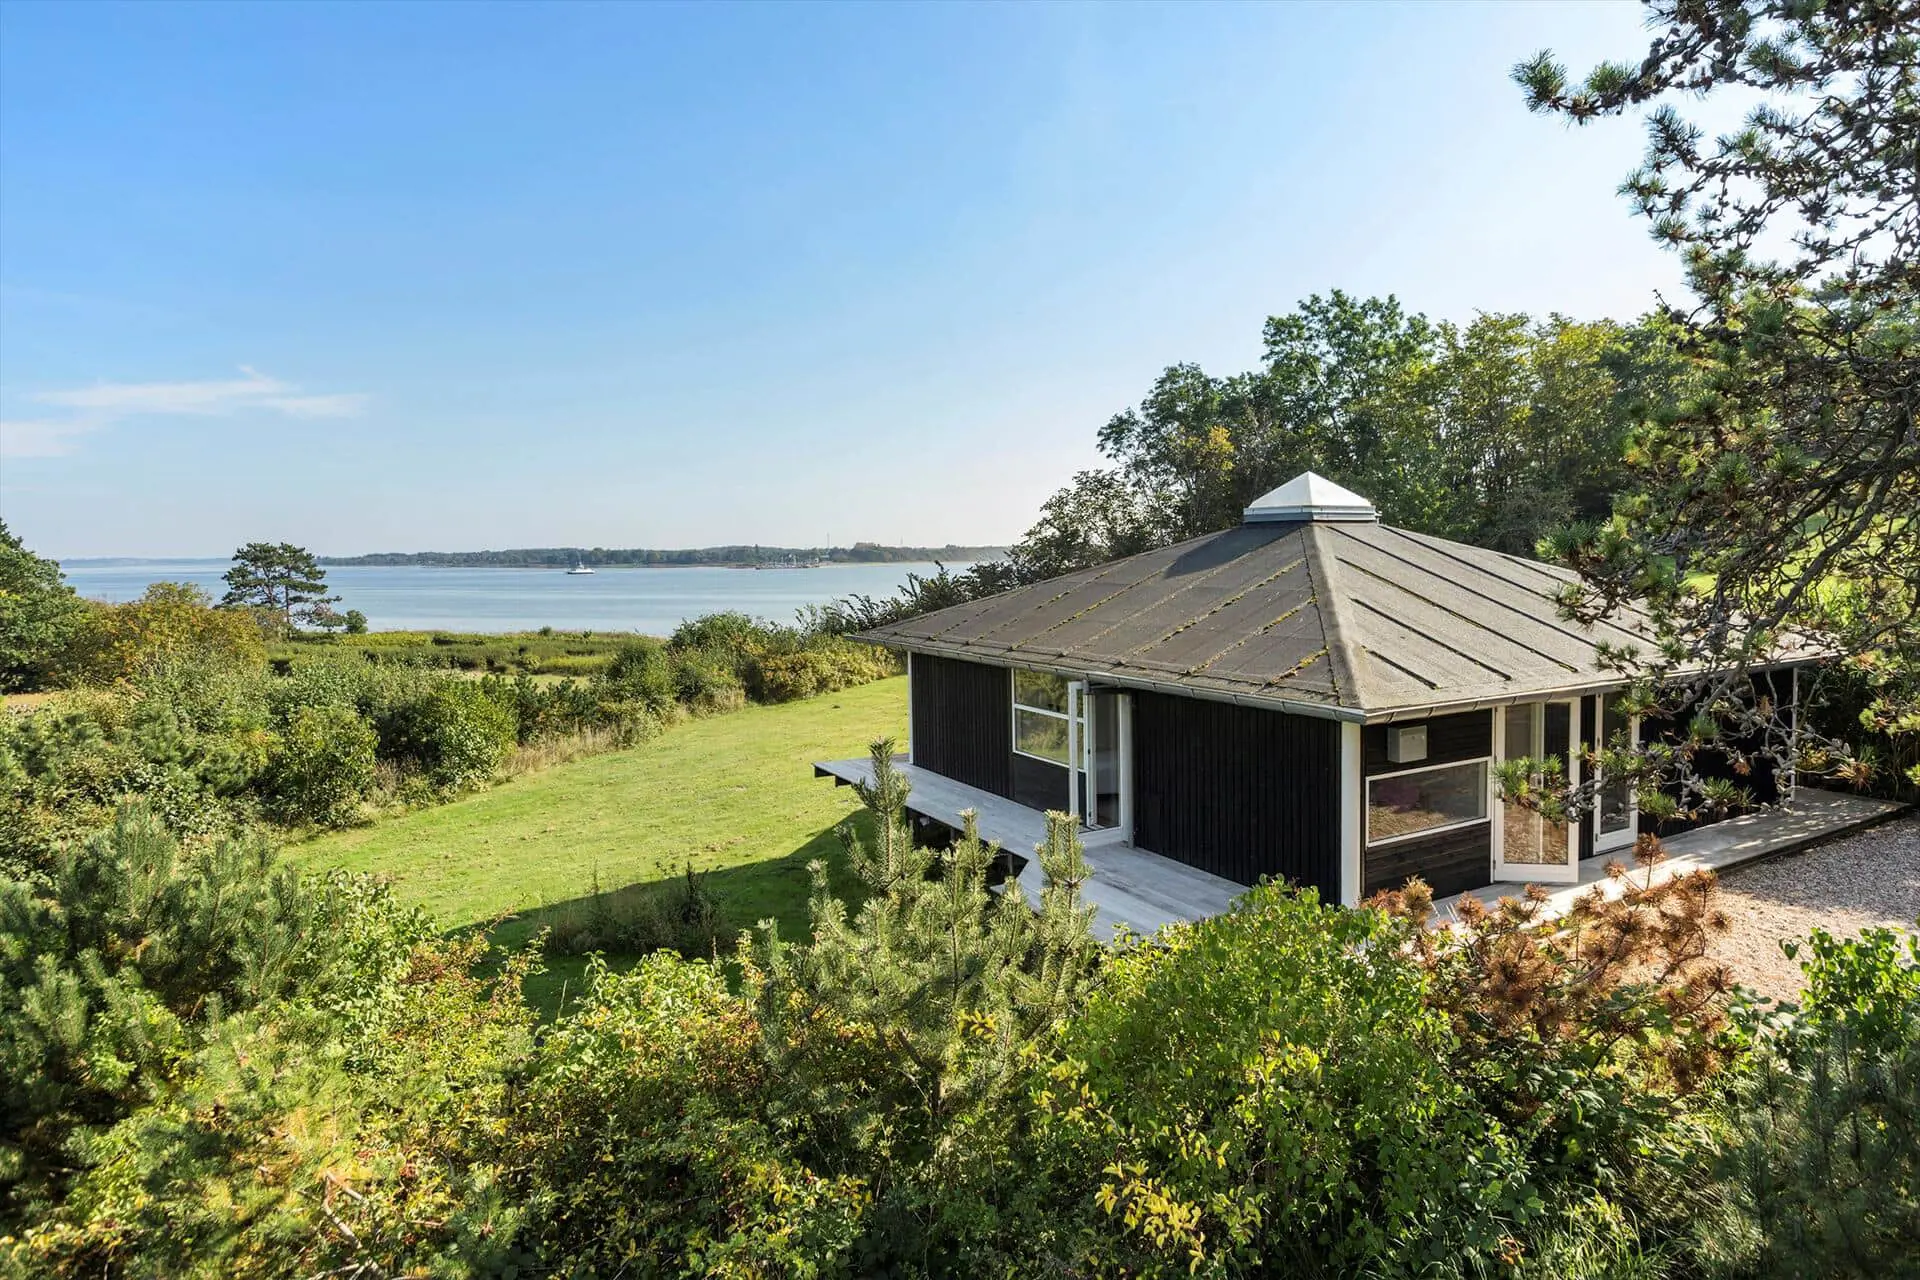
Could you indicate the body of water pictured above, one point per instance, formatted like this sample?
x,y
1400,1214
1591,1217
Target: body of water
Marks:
x,y
421,597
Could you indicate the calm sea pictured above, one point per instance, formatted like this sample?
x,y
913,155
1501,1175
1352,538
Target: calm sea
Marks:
x,y
419,597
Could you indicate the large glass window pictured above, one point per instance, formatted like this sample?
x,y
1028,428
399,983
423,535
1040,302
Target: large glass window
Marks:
x,y
1040,716
1420,800
1040,690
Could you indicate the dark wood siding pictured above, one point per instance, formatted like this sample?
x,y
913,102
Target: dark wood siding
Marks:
x,y
1451,862
1238,791
1467,736
962,723
1759,782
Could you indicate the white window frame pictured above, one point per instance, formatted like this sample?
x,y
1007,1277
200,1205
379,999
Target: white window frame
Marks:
x,y
1074,721
1366,807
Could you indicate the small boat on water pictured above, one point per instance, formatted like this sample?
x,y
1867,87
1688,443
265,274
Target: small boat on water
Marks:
x,y
579,566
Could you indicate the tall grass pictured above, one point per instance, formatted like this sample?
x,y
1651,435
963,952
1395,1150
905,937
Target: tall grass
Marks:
x,y
681,914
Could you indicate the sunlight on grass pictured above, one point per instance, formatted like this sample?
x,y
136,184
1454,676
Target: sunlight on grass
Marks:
x,y
734,794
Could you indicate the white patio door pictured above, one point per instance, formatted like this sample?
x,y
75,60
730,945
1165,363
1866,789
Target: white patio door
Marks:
x,y
1616,811
1526,846
1100,728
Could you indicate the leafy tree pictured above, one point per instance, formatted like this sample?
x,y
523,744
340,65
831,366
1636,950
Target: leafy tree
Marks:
x,y
170,622
1782,491
39,614
279,579
1100,515
355,622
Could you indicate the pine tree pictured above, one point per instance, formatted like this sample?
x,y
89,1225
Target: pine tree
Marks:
x,y
957,980
279,579
133,956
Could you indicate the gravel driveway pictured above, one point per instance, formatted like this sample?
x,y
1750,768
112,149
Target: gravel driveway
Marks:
x,y
1871,878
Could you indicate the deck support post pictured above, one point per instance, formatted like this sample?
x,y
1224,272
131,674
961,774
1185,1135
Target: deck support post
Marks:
x,y
1351,834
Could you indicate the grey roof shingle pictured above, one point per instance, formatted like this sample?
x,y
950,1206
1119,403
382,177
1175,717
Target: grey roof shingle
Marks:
x,y
1355,620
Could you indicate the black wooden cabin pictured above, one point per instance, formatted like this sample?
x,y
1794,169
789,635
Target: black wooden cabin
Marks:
x,y
1311,695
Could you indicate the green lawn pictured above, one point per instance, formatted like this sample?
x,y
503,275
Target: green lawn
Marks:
x,y
734,793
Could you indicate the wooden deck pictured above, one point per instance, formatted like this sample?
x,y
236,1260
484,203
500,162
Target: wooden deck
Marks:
x,y
1142,891
1812,816
1130,888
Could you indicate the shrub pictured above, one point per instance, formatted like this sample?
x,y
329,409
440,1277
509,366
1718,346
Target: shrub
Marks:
x,y
456,734
654,1096
1824,1163
640,673
171,621
350,1133
731,634
130,958
322,766
1267,1092
1597,1039
705,683
826,666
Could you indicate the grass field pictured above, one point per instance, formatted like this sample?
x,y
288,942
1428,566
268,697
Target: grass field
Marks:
x,y
734,793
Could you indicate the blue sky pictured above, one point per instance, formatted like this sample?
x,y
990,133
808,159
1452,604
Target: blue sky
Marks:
x,y
397,278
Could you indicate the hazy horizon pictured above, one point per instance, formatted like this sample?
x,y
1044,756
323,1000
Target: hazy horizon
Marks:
x,y
365,277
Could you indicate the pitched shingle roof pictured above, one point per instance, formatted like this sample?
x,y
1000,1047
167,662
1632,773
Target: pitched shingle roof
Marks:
x,y
1334,617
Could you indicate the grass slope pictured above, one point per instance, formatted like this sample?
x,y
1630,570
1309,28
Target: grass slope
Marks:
x,y
734,793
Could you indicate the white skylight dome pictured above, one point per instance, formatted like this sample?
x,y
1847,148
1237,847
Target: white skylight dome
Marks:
x,y
1311,497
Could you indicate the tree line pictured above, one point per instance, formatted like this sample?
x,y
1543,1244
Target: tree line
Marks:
x,y
728,556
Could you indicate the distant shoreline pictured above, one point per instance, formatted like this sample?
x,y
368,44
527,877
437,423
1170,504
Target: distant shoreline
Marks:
x,y
636,558
730,557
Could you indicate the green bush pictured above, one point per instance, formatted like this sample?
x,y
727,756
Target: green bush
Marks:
x,y
322,766
826,666
732,634
705,683
133,954
456,734
1824,1162
1266,1092
641,673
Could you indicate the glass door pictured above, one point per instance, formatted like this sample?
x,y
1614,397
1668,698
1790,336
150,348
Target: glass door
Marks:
x,y
1101,781
1526,845
1616,810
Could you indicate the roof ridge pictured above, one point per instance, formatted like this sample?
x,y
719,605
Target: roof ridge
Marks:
x,y
1321,567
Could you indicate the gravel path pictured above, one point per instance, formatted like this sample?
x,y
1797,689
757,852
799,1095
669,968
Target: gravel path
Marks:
x,y
1872,878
